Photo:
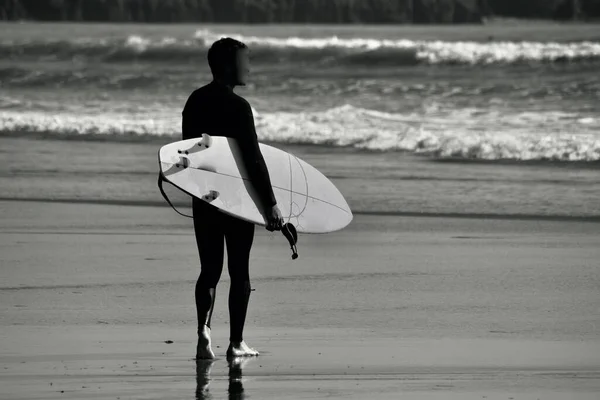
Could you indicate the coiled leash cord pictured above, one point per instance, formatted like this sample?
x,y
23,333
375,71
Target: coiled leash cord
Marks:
x,y
288,230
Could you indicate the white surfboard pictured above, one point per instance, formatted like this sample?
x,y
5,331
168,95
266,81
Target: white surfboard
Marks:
x,y
211,168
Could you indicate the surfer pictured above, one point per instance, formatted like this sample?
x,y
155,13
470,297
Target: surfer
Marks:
x,y
215,109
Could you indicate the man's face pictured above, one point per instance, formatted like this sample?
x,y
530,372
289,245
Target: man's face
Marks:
x,y
242,66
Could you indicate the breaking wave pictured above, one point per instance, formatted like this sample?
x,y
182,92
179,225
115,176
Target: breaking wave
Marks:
x,y
326,50
515,138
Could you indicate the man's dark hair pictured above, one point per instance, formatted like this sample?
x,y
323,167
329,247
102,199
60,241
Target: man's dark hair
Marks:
x,y
222,53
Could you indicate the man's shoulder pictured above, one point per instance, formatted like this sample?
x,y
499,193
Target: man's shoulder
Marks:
x,y
207,91
241,102
197,98
199,92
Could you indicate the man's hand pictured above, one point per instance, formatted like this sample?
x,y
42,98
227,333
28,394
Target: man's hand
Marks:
x,y
274,219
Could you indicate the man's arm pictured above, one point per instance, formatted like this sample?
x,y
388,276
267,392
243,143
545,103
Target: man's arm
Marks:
x,y
251,155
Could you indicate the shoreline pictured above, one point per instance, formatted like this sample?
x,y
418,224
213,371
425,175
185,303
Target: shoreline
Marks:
x,y
146,139
163,204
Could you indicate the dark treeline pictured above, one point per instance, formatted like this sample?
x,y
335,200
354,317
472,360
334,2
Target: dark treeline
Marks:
x,y
294,11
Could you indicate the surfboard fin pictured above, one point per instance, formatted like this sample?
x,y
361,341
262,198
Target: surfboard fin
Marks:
x,y
289,231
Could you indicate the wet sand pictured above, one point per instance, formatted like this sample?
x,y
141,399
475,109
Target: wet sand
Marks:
x,y
391,307
109,362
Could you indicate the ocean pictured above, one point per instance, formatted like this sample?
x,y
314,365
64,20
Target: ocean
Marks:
x,y
498,120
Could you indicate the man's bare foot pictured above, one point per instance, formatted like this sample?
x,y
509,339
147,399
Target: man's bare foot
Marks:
x,y
203,350
240,349
239,362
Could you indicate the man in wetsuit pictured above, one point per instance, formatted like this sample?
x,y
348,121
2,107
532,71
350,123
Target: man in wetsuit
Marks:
x,y
216,110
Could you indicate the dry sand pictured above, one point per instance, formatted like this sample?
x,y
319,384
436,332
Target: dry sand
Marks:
x,y
391,307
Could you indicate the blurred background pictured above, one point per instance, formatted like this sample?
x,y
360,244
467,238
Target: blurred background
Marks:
x,y
409,106
295,11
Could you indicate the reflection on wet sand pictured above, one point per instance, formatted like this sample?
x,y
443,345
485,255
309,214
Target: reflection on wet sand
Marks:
x,y
235,390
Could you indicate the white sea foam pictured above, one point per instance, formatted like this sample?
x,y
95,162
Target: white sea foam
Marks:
x,y
434,52
74,124
141,44
468,133
489,136
392,51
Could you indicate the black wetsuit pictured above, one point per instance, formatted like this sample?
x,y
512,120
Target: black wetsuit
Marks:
x,y
216,110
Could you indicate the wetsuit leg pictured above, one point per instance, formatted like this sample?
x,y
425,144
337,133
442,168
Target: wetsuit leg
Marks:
x,y
239,236
208,229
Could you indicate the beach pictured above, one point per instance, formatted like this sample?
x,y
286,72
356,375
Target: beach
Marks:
x,y
411,307
469,156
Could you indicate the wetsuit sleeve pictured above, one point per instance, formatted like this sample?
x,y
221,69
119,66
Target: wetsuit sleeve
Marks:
x,y
251,155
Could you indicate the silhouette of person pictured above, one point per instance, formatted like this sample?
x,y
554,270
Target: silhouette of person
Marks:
x,y
216,110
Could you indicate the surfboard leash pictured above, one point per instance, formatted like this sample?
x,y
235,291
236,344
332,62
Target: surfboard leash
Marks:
x,y
160,181
288,230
